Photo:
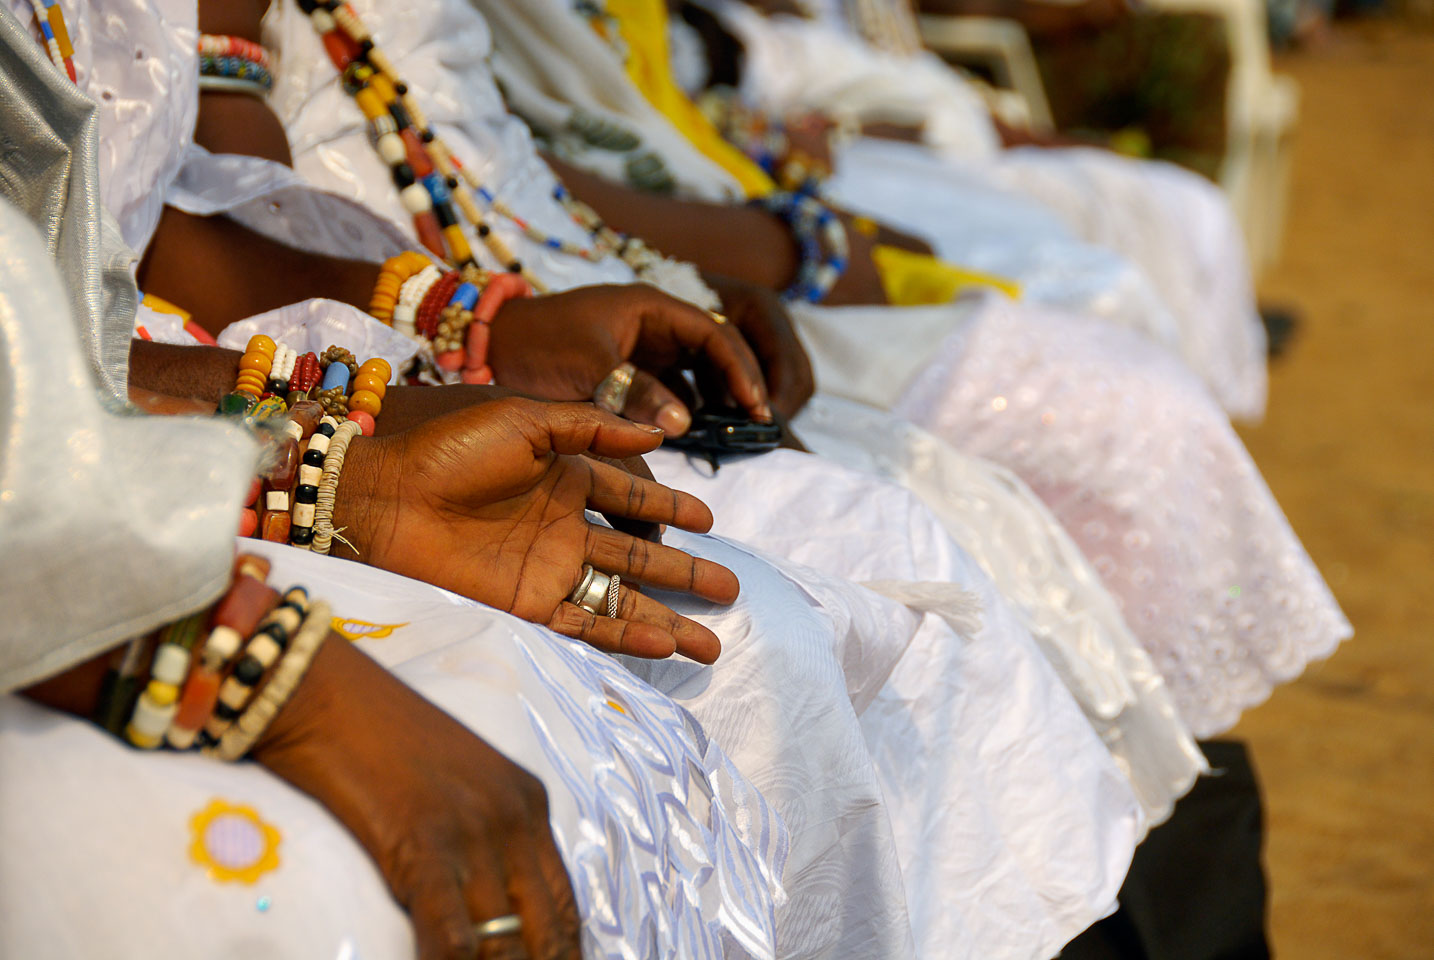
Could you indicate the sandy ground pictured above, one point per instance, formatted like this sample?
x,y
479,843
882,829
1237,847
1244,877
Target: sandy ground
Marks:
x,y
1347,753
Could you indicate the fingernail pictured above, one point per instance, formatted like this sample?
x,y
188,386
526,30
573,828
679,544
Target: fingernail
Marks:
x,y
674,419
764,413
649,427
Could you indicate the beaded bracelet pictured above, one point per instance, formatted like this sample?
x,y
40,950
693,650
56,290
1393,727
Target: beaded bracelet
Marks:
x,y
811,223
302,650
301,518
156,707
120,688
237,64
236,616
261,652
329,487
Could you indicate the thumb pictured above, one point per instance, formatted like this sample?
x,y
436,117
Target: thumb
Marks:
x,y
649,401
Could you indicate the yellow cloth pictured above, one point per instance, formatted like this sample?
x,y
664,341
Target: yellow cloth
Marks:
x,y
909,279
916,279
643,25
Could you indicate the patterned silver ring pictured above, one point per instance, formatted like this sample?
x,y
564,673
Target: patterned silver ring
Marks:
x,y
592,592
613,596
611,394
504,926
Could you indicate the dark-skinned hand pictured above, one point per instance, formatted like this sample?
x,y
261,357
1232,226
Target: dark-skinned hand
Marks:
x,y
560,347
489,502
763,321
459,832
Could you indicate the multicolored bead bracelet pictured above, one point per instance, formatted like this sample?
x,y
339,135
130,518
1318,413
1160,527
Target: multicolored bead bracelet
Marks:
x,y
812,223
216,696
233,64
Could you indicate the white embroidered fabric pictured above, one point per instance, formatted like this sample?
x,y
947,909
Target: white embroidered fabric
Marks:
x,y
979,225
671,851
1179,229
1138,463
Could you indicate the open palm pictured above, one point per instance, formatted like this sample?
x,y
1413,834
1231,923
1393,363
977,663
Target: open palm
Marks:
x,y
490,502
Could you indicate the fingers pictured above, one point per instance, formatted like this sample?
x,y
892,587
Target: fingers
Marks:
x,y
693,639
648,401
659,566
644,628
622,494
643,640
487,897
575,428
442,924
548,932
723,345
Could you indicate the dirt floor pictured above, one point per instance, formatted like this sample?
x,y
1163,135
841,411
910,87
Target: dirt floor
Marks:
x,y
1347,753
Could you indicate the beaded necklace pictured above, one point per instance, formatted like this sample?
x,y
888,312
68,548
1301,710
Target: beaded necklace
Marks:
x,y
57,37
430,179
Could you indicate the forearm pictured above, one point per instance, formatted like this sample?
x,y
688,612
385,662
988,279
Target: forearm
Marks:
x,y
222,272
735,241
195,373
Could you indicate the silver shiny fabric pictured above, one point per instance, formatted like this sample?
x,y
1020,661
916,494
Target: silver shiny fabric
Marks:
x,y
110,523
48,149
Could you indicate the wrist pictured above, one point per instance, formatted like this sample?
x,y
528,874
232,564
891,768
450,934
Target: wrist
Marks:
x,y
361,505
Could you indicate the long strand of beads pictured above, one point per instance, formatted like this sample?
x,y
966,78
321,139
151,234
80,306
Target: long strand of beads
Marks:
x,y
57,36
430,179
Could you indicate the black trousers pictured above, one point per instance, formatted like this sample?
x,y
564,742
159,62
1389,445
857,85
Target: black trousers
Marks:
x,y
1196,889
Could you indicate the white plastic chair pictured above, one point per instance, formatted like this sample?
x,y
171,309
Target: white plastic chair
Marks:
x,y
1261,109
1001,45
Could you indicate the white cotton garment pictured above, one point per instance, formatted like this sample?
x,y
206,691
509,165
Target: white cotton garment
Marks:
x,y
671,852
1013,826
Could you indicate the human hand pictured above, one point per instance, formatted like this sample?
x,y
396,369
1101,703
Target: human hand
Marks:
x,y
763,321
560,347
459,832
489,502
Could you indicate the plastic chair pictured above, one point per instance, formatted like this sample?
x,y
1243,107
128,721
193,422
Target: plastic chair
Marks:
x,y
1261,111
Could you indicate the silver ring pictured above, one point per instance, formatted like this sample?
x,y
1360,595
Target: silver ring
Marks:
x,y
611,394
613,596
592,593
504,926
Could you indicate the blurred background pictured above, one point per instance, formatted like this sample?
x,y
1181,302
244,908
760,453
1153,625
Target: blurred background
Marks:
x,y
1317,118
1346,754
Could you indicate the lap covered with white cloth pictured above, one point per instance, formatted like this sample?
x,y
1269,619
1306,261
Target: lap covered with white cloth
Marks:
x,y
665,842
1012,823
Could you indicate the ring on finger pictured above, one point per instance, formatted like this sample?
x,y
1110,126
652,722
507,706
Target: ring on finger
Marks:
x,y
717,317
504,926
613,595
611,393
591,594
